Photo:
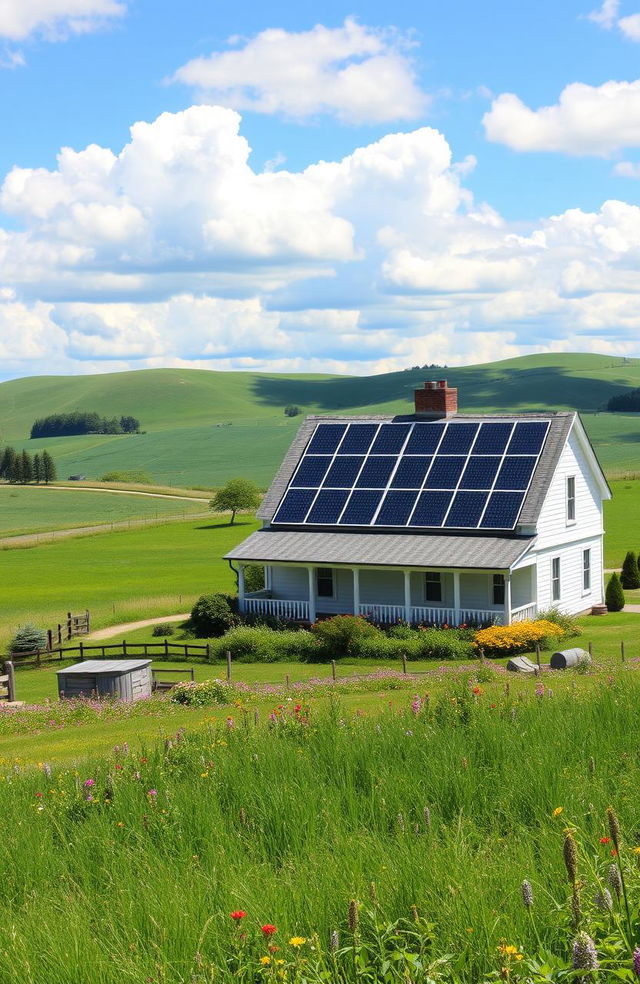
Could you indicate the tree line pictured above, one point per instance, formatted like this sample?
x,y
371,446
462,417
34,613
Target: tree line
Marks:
x,y
83,422
625,402
21,468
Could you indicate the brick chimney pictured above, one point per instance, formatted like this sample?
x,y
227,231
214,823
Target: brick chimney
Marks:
x,y
436,400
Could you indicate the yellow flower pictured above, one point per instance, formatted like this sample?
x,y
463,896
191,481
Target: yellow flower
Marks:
x,y
265,960
297,941
558,810
636,850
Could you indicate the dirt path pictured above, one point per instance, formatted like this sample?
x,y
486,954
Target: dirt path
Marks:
x,y
91,488
31,539
115,630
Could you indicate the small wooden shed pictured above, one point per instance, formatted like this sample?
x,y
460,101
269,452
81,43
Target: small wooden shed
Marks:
x,y
127,679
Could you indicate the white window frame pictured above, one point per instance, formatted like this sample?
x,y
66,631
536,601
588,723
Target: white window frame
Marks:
x,y
333,582
586,571
498,584
570,498
433,577
556,581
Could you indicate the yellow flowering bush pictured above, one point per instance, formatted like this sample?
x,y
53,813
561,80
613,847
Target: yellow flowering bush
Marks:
x,y
521,637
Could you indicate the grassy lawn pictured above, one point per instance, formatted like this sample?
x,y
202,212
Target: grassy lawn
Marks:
x,y
621,522
35,510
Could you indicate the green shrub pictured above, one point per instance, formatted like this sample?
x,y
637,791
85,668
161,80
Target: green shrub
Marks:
x,y
630,575
253,578
614,595
137,477
212,615
341,635
28,638
260,644
165,629
440,644
568,623
200,694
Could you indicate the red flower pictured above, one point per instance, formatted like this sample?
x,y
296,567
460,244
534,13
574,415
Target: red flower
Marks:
x,y
605,840
614,853
268,929
238,914
477,690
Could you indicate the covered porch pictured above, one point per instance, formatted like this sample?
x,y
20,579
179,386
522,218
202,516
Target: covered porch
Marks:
x,y
435,596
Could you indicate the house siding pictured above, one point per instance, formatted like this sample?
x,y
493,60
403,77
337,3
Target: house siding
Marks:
x,y
572,597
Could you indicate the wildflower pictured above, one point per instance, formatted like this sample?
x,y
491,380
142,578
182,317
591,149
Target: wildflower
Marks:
x,y
584,955
265,960
401,826
297,941
614,827
353,916
570,854
591,764
427,819
605,840
636,961
152,793
46,768
230,723
603,901
268,929
237,914
334,940
527,894
614,879
558,810
414,913
88,783
477,691
416,704
576,910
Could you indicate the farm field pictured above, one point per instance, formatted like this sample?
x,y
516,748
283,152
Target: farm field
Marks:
x,y
199,424
446,806
34,510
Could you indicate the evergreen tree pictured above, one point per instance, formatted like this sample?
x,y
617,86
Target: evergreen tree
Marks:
x,y
630,576
27,467
614,595
37,468
49,473
6,463
16,475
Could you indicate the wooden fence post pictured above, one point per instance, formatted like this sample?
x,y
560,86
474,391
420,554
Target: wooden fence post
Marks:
x,y
333,668
88,622
228,666
68,625
166,649
622,650
404,662
590,650
11,682
208,650
81,650
49,639
59,634
124,647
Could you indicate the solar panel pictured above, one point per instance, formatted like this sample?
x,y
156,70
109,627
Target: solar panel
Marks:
x,y
451,474
328,506
396,508
358,439
361,507
410,472
390,439
344,471
312,470
326,438
376,472
516,473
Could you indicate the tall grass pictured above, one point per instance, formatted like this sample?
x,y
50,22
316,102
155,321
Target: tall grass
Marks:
x,y
447,806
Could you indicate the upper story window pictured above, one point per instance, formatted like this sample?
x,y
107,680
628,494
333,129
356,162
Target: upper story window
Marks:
x,y
498,589
324,582
555,579
433,586
571,499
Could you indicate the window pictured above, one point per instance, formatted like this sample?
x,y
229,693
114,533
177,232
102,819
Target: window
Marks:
x,y
498,589
586,570
324,582
555,579
433,586
571,499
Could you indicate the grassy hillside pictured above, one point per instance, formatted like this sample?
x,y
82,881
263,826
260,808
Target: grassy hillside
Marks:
x,y
204,427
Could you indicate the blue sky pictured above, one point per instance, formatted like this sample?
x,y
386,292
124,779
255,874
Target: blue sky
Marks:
x,y
502,220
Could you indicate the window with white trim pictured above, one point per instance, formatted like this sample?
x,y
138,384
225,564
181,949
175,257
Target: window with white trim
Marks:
x,y
571,498
324,582
555,579
586,570
498,589
433,586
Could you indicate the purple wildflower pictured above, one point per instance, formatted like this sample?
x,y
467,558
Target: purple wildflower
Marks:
x,y
584,955
527,894
416,704
152,793
636,961
88,783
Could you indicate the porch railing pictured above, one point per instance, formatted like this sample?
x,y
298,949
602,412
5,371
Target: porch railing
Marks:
x,y
452,616
297,611
384,614
524,612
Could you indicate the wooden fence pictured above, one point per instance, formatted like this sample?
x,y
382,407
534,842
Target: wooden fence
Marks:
x,y
8,682
74,625
119,650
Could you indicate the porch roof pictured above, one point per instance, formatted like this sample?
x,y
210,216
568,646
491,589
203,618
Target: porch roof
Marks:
x,y
381,549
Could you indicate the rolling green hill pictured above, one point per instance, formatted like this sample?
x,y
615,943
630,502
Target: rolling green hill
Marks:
x,y
203,427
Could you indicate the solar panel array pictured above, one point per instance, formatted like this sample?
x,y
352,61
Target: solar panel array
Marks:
x,y
436,475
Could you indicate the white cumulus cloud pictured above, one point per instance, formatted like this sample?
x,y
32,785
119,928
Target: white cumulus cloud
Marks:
x,y
356,73
597,120
607,17
55,19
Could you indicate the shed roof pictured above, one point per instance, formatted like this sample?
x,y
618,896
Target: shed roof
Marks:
x,y
561,423
382,549
107,666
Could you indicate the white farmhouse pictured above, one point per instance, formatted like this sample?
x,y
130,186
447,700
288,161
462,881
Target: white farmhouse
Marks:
x,y
434,517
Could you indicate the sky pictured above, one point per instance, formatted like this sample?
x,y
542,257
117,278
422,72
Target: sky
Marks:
x,y
359,190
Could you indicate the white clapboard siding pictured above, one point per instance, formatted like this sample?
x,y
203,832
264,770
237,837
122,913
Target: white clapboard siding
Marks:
x,y
553,527
573,598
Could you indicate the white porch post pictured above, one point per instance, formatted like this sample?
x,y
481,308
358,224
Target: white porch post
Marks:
x,y
356,590
267,578
407,596
312,594
507,598
241,605
456,596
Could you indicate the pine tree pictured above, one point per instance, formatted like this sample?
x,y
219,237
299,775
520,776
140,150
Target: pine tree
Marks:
x,y
6,463
614,595
27,467
16,475
37,468
49,473
630,576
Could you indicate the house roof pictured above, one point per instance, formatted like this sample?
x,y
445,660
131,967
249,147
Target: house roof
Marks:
x,y
381,549
560,426
114,667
